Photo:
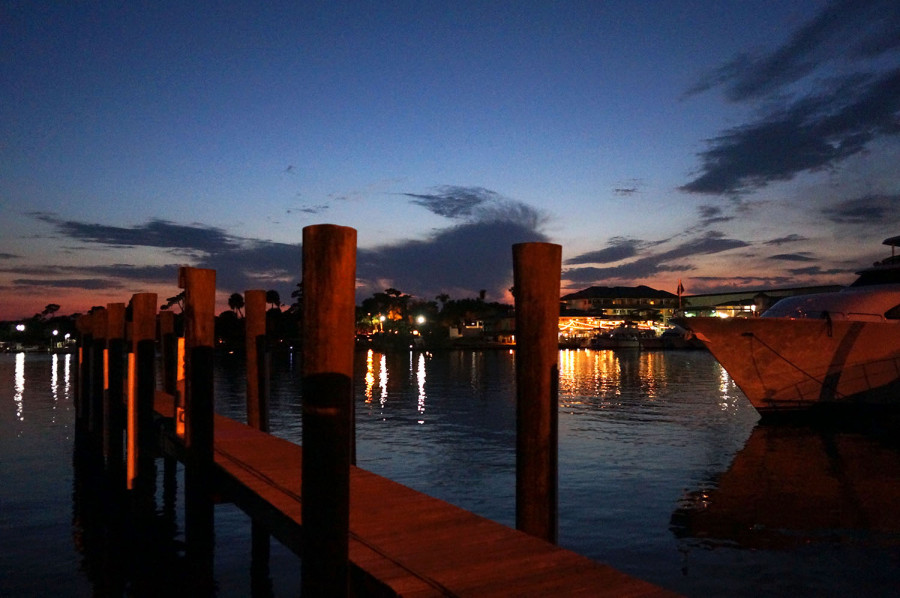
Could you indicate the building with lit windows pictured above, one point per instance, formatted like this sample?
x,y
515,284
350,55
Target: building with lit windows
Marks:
x,y
595,310
744,303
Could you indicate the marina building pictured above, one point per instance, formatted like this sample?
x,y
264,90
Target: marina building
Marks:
x,y
745,303
597,310
586,313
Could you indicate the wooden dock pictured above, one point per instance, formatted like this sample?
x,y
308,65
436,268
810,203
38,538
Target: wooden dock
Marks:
x,y
402,542
364,535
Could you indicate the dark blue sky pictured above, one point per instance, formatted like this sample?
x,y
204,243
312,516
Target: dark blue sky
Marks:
x,y
725,144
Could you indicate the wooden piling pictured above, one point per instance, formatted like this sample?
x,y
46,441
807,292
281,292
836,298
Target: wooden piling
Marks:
x,y
168,345
83,390
113,405
98,376
199,286
257,359
256,348
142,392
329,279
536,274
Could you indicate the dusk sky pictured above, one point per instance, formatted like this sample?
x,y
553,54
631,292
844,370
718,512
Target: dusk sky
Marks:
x,y
751,144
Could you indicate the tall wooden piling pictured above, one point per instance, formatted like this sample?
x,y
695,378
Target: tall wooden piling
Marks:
x,y
142,392
257,359
199,286
113,405
536,274
256,348
83,390
98,375
168,345
329,279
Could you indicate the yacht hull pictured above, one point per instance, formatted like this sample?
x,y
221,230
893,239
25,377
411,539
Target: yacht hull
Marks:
x,y
789,365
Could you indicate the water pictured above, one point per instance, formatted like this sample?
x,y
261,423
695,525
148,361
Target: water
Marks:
x,y
665,474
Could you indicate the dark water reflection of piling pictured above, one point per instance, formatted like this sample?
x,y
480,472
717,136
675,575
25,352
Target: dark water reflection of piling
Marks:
x,y
129,544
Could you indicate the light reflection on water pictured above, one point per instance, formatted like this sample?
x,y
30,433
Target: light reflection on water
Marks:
x,y
20,386
629,422
36,422
420,379
663,472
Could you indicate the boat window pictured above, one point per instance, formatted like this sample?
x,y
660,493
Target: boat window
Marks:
x,y
893,313
874,277
865,317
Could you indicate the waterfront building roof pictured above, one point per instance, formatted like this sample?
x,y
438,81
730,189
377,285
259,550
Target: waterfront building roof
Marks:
x,y
638,292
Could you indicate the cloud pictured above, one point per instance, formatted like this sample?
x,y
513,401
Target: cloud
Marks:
x,y
9,256
240,263
34,270
810,119
818,271
452,201
813,133
842,31
472,255
869,209
793,257
257,265
88,284
792,238
88,278
618,249
155,233
634,271
316,209
716,284
710,215
163,274
673,260
463,259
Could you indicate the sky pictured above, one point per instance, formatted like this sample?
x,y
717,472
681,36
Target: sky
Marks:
x,y
728,145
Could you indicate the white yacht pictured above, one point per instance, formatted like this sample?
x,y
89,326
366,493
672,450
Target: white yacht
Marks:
x,y
817,351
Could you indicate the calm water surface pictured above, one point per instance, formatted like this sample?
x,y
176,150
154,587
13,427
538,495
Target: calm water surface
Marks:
x,y
664,474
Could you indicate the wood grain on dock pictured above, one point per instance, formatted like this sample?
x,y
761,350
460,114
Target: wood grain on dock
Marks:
x,y
404,542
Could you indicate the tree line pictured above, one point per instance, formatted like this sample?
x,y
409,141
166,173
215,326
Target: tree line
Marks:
x,y
389,312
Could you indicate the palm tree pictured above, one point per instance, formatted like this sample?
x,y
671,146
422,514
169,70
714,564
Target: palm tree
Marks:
x,y
273,297
51,309
175,300
297,296
236,303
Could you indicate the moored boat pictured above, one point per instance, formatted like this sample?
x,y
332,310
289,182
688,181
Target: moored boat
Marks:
x,y
817,351
621,337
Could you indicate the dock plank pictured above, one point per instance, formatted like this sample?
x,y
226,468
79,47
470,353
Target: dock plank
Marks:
x,y
408,543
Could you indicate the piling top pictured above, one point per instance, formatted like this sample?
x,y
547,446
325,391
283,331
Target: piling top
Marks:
x,y
255,313
143,316
329,299
199,286
84,324
115,321
99,320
